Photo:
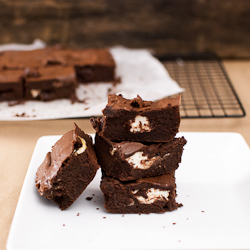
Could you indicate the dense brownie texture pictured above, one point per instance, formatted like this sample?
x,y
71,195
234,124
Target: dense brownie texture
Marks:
x,y
67,169
91,65
34,59
133,160
11,85
50,83
146,195
138,120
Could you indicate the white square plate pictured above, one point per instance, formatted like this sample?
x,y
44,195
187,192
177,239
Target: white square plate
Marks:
x,y
213,183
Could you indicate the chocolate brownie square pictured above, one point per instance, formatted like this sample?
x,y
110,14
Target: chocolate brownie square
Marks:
x,y
33,59
95,65
146,195
67,169
91,65
133,160
138,120
50,83
11,85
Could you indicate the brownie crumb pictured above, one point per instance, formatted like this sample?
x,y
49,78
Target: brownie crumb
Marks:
x,y
78,214
89,198
21,115
109,90
97,208
104,217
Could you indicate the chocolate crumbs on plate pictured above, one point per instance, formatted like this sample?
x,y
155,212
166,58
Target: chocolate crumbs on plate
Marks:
x,y
89,198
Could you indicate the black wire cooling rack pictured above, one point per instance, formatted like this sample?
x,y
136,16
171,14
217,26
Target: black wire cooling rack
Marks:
x,y
208,90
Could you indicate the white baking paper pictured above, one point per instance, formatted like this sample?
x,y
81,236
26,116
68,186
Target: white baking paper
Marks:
x,y
37,44
139,71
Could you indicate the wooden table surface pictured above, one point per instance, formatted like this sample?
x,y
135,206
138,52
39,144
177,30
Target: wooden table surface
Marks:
x,y
18,140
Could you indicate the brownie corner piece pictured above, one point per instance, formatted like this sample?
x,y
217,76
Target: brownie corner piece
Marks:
x,y
67,169
11,85
145,195
92,65
139,120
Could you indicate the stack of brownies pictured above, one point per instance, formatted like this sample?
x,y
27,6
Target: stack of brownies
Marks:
x,y
138,153
52,73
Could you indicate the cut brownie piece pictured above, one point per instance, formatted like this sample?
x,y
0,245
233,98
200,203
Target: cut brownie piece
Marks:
x,y
91,65
146,195
133,160
67,169
50,83
12,60
138,120
95,65
11,85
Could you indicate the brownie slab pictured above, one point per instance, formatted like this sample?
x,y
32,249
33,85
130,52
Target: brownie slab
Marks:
x,y
67,169
146,195
138,120
133,160
11,85
53,72
50,83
